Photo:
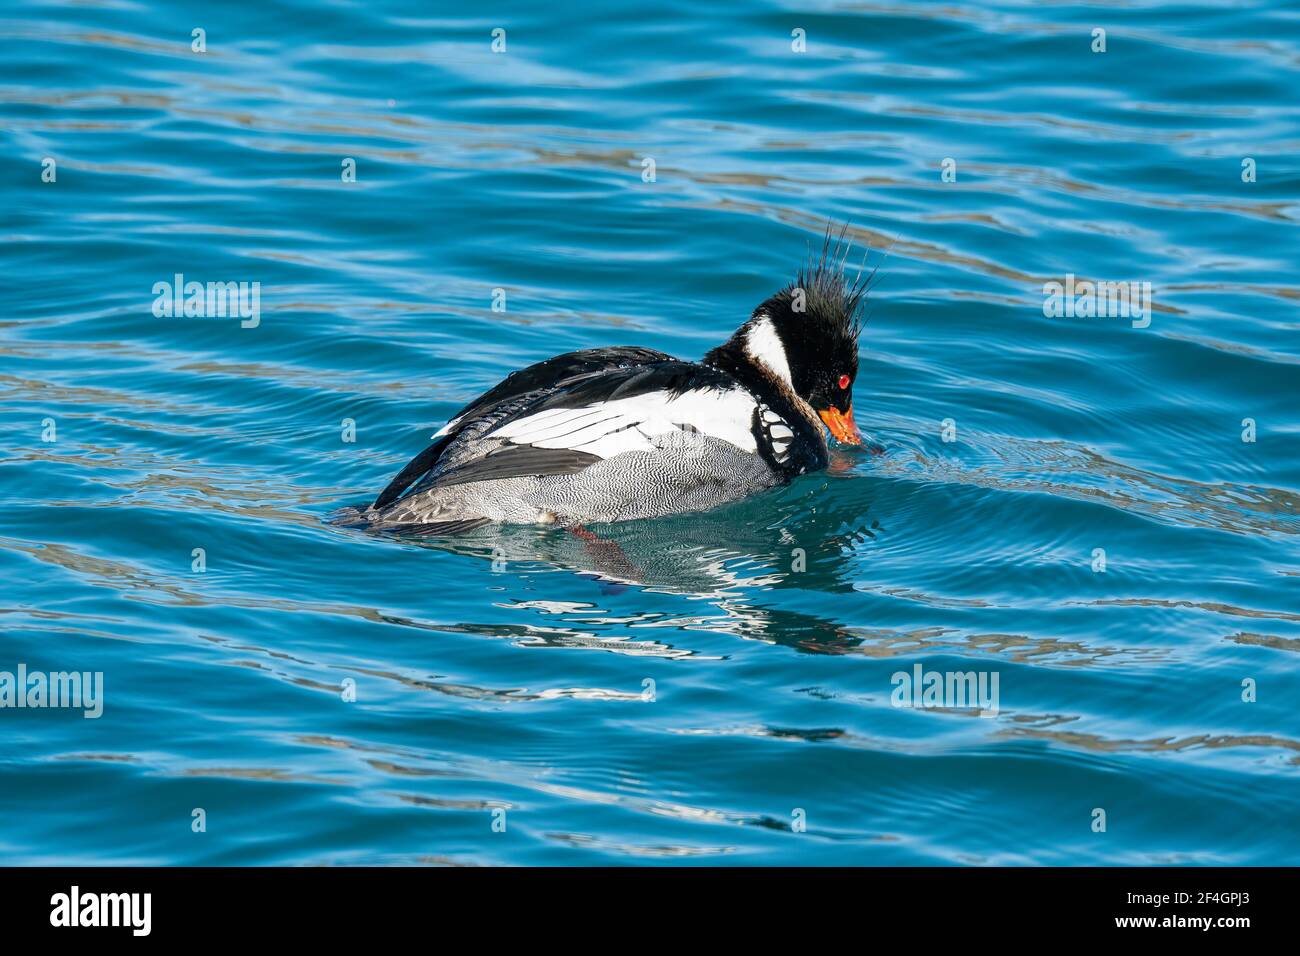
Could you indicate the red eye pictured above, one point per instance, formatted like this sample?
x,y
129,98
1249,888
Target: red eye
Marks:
x,y
844,381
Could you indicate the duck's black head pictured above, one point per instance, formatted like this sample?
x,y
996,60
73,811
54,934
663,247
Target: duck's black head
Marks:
x,y
807,336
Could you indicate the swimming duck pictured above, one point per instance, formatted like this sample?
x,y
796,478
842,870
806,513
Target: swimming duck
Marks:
x,y
613,434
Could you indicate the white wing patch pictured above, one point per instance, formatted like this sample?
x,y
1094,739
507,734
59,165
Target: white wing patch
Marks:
x,y
778,431
629,424
446,428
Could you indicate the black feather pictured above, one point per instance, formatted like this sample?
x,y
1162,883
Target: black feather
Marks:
x,y
671,376
515,461
552,371
417,466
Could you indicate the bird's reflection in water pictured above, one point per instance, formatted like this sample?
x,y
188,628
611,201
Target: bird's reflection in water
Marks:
x,y
726,556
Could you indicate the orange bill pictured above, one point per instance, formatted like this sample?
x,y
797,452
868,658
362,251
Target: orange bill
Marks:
x,y
842,425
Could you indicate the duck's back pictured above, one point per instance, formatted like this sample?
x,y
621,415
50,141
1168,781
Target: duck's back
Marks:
x,y
599,435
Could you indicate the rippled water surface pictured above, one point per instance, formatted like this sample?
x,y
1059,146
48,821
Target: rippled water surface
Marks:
x,y
716,688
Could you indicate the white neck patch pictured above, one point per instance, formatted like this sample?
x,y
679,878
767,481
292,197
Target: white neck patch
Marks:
x,y
764,345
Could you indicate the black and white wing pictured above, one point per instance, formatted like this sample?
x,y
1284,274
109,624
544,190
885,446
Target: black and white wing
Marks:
x,y
639,411
598,416
776,442
496,403
551,372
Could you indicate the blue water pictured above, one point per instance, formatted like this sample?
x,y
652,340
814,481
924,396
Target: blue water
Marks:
x,y
719,688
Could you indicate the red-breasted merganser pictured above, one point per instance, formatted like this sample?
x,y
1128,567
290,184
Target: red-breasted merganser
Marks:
x,y
619,433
